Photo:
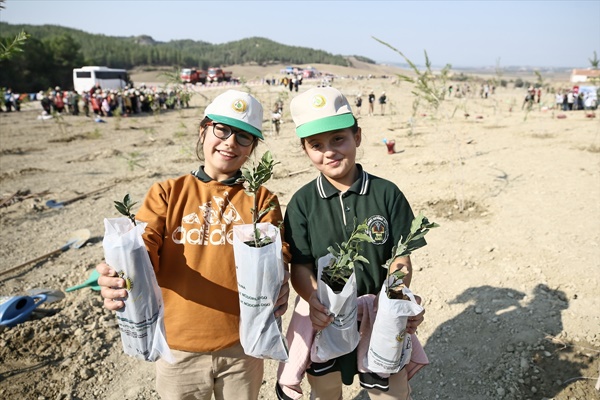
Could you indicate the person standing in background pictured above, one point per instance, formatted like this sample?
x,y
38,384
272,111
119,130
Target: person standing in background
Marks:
x,y
382,101
358,103
8,100
371,102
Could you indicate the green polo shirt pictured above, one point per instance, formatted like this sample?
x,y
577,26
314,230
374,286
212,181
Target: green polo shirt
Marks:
x,y
319,215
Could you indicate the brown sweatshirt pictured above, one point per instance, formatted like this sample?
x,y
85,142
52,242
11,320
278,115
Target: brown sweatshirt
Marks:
x,y
189,238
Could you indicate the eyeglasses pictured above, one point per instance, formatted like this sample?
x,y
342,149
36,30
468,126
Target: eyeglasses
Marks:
x,y
223,132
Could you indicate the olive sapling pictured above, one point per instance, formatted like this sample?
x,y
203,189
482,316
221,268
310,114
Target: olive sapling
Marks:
x,y
346,258
253,179
125,206
418,229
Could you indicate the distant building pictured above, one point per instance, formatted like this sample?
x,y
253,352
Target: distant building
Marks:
x,y
584,75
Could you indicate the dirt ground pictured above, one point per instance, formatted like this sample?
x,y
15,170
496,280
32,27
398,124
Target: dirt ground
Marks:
x,y
510,279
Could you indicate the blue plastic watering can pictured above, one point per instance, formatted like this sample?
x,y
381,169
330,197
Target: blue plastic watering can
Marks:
x,y
16,309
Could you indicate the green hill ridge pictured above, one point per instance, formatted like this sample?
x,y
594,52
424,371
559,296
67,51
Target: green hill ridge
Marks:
x,y
52,51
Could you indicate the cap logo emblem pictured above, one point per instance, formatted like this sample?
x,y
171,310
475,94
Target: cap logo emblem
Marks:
x,y
318,101
239,105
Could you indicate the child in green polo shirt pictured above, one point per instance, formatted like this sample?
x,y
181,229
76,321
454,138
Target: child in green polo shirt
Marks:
x,y
325,211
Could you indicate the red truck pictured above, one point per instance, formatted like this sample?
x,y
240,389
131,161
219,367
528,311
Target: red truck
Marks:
x,y
193,76
218,75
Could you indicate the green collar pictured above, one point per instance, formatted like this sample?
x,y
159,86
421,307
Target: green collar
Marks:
x,y
200,174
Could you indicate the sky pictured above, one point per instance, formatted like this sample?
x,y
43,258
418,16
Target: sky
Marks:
x,y
461,33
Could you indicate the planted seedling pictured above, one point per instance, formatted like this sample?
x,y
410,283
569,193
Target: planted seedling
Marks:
x,y
125,206
346,258
418,229
253,179
133,160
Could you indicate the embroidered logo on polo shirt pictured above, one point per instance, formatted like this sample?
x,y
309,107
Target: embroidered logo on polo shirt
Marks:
x,y
378,229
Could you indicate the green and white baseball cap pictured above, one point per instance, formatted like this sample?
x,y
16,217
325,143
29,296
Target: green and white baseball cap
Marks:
x,y
319,110
238,109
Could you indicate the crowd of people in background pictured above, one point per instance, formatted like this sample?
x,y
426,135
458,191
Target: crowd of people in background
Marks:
x,y
569,100
371,100
464,90
99,102
565,99
291,81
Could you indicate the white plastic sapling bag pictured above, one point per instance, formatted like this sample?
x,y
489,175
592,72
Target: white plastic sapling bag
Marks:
x,y
341,336
260,273
390,347
141,321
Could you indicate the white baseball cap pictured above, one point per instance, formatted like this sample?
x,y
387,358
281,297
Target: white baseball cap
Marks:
x,y
319,110
237,109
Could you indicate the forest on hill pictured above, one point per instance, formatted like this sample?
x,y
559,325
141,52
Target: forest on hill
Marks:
x,y
51,52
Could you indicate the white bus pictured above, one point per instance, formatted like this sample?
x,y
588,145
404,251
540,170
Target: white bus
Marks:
x,y
85,78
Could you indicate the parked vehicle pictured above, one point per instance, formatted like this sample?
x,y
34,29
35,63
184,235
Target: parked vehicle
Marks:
x,y
85,78
218,75
193,75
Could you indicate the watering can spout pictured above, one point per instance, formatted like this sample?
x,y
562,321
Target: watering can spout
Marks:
x,y
91,282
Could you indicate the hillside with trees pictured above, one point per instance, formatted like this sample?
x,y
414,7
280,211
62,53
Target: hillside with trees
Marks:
x,y
51,52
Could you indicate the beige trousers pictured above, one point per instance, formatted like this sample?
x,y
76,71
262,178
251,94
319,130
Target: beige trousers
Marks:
x,y
228,374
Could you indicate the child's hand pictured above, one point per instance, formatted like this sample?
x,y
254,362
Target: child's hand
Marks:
x,y
319,314
284,293
414,322
112,285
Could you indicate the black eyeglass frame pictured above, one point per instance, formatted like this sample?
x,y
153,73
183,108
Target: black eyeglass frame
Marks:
x,y
241,140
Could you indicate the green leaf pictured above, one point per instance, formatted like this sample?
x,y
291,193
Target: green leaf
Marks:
x,y
419,227
361,259
363,237
398,274
420,235
347,258
254,178
124,208
246,175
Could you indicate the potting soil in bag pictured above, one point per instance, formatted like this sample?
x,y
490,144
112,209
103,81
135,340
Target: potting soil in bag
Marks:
x,y
341,336
390,347
141,321
260,273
